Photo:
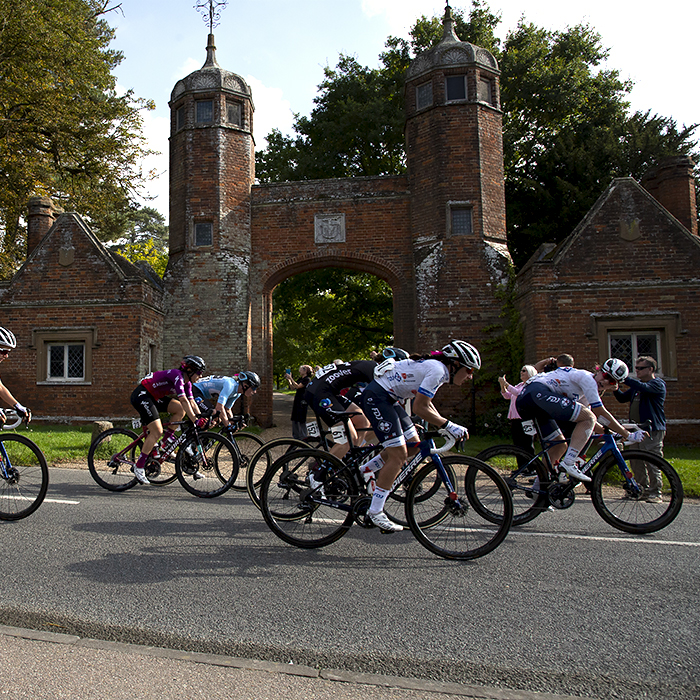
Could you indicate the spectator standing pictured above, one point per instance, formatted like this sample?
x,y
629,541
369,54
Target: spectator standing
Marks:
x,y
299,407
509,391
646,396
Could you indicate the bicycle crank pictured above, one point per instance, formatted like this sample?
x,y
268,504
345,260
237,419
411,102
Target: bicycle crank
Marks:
x,y
359,512
561,496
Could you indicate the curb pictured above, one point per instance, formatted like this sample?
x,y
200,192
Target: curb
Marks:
x,y
335,675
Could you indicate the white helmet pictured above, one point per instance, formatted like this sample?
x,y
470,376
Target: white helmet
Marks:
x,y
7,339
463,353
617,369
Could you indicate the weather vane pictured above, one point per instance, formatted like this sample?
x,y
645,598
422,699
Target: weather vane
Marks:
x,y
211,11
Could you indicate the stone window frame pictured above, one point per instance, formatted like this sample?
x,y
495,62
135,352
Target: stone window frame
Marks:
x,y
667,325
449,100
203,101
424,96
44,337
196,224
241,113
459,206
180,117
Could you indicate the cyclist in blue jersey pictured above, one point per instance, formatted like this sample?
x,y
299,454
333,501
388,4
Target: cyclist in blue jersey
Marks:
x,y
221,392
167,391
419,379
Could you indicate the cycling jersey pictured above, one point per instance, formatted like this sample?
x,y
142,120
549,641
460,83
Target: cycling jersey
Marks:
x,y
576,384
333,378
225,387
410,377
169,382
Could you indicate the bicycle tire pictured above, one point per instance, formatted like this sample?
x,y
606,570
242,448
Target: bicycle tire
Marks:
x,y
613,503
23,488
248,444
457,530
506,460
263,459
107,470
287,505
207,467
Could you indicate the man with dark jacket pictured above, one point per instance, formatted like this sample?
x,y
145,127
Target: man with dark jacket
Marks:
x,y
646,396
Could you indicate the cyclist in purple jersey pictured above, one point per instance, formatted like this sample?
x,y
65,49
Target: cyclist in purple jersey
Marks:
x,y
167,391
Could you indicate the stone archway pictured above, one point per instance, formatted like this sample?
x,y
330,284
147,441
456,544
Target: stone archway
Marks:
x,y
262,350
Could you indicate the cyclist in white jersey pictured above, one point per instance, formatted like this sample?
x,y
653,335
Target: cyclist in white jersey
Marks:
x,y
419,380
570,394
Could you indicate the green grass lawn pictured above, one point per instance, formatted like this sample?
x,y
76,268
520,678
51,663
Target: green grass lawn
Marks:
x,y
65,443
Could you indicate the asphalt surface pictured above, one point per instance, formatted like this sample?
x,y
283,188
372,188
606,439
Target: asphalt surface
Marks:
x,y
155,593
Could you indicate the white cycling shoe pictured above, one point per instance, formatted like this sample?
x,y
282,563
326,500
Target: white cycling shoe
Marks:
x,y
381,520
140,474
573,470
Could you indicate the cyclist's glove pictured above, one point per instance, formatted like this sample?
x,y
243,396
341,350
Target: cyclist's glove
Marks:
x,y
201,422
457,431
636,436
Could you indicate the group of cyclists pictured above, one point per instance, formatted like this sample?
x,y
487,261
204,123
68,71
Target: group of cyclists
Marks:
x,y
375,392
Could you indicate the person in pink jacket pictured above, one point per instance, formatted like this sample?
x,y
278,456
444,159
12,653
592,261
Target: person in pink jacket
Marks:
x,y
508,391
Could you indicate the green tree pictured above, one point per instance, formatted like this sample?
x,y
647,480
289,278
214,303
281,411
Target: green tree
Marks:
x,y
145,238
329,313
567,129
64,130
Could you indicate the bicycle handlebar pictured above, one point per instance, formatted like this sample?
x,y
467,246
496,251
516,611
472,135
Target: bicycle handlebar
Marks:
x,y
450,441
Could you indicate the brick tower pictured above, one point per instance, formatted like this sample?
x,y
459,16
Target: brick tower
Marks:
x,y
455,163
212,168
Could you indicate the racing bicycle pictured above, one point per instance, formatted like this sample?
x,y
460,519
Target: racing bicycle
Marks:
x,y
617,496
206,463
438,503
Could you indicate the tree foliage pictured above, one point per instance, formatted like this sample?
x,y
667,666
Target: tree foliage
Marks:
x,y
567,128
145,238
329,313
64,130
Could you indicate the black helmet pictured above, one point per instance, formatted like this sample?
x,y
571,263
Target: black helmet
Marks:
x,y
249,378
395,353
193,363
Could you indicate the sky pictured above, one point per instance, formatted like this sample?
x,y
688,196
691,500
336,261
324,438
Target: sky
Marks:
x,y
281,47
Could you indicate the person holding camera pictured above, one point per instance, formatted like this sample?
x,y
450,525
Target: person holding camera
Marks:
x,y
299,406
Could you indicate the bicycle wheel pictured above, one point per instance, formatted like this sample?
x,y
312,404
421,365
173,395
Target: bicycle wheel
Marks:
x,y
525,475
263,459
456,530
248,445
207,465
111,457
299,514
161,473
24,477
633,513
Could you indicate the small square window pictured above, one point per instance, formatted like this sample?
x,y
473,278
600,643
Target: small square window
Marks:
x,y
66,363
180,118
456,87
461,221
485,91
424,95
203,234
234,113
205,111
629,346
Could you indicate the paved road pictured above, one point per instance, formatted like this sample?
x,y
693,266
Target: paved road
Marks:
x,y
566,605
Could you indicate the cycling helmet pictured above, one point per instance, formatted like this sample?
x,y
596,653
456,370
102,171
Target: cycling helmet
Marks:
x,y
395,353
193,363
249,378
7,339
463,354
616,369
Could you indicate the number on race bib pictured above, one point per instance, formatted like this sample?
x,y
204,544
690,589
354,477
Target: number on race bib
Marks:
x,y
338,433
312,429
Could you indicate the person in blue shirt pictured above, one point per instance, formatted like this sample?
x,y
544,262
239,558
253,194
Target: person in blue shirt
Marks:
x,y
646,396
221,392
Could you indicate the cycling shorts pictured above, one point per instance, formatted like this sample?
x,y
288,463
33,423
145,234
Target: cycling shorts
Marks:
x,y
547,408
149,408
334,402
390,422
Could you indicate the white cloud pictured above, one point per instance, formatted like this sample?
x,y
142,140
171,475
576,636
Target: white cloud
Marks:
x,y
190,65
272,111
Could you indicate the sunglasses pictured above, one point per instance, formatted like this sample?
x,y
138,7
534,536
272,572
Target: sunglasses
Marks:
x,y
641,368
609,378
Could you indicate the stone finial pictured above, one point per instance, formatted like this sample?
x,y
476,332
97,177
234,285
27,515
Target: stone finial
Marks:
x,y
448,27
211,54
